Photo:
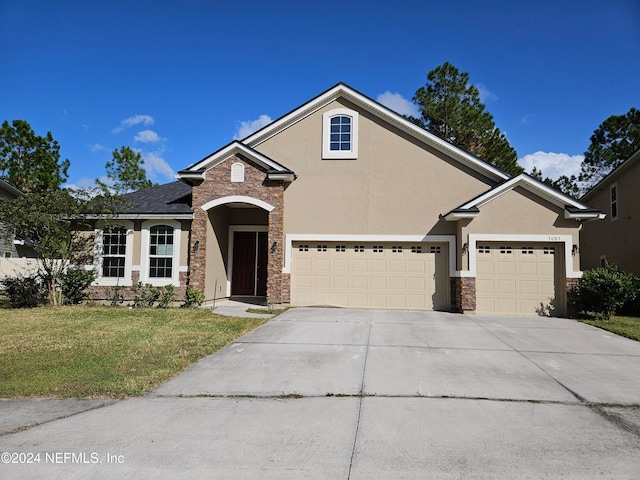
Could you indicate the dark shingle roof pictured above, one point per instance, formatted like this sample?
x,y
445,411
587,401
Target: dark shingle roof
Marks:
x,y
170,198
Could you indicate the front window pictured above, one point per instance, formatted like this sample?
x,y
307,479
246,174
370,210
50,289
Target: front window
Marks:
x,y
114,251
340,134
340,138
161,251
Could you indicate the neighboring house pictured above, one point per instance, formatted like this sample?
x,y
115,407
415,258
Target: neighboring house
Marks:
x,y
615,239
16,256
7,245
344,202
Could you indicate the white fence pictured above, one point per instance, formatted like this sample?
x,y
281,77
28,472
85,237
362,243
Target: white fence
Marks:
x,y
12,267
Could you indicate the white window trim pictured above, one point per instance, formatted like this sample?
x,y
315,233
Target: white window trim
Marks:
x,y
311,237
327,153
144,253
237,172
97,255
474,238
614,218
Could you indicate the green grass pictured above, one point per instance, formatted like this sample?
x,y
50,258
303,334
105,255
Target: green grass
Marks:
x,y
626,326
105,351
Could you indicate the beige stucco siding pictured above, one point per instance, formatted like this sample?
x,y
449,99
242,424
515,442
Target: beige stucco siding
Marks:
x,y
519,212
394,186
617,239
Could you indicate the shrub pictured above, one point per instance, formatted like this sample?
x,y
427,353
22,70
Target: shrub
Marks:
x,y
193,298
24,291
73,284
604,290
166,296
144,295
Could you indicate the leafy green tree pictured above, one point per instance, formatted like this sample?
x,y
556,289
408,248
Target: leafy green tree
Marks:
x,y
451,109
615,140
125,172
29,162
57,224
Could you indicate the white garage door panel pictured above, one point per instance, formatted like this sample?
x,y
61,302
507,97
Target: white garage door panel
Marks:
x,y
516,278
370,275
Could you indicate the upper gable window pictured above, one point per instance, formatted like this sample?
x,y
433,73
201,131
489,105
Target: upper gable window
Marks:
x,y
237,172
614,201
340,134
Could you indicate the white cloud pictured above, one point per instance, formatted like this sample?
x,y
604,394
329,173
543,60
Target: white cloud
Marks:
x,y
135,120
147,136
247,128
553,165
399,104
154,164
485,94
96,147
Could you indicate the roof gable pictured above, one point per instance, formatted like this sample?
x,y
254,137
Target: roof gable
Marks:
x,y
614,174
573,209
342,90
197,171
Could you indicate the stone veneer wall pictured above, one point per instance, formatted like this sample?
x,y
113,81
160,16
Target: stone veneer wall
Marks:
x,y
463,294
106,294
217,184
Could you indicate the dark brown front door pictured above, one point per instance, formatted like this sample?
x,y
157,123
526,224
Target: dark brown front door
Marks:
x,y
249,273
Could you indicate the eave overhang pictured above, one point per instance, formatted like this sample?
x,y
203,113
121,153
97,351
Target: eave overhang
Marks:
x,y
573,209
197,171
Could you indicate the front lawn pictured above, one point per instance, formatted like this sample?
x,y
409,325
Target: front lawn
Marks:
x,y
626,326
105,351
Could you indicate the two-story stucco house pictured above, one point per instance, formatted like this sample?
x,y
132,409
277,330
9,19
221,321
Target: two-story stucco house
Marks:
x,y
615,239
344,202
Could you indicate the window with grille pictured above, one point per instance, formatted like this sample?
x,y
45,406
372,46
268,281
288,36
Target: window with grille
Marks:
x,y
322,248
161,251
548,251
527,250
614,202
484,249
435,249
378,249
416,249
340,134
396,249
114,251
303,248
341,248
358,248
505,250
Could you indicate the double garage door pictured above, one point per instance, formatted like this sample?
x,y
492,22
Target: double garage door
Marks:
x,y
518,278
371,275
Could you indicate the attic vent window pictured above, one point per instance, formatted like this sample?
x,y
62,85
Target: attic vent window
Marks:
x,y
340,134
237,172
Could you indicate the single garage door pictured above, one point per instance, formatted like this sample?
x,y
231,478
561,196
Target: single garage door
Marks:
x,y
371,275
517,278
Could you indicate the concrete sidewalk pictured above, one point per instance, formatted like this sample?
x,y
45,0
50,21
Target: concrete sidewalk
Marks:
x,y
357,394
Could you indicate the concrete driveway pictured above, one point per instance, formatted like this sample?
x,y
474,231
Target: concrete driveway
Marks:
x,y
361,394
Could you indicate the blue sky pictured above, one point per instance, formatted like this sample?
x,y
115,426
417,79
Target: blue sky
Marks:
x,y
179,79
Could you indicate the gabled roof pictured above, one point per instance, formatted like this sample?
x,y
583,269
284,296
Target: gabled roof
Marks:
x,y
573,209
615,173
171,199
197,171
342,90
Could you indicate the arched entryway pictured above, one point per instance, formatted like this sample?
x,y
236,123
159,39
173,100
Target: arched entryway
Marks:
x,y
239,256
